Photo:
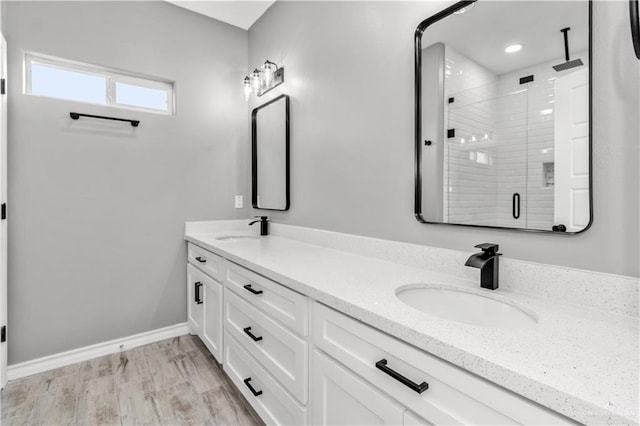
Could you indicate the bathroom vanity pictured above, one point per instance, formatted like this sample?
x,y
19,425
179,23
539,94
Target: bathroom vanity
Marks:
x,y
309,326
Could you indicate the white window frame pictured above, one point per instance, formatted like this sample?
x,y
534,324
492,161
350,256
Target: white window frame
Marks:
x,y
112,77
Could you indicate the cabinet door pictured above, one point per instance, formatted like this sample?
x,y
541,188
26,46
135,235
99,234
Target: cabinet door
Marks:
x,y
195,300
212,333
340,397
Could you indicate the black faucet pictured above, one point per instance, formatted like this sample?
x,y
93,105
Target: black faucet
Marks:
x,y
264,224
487,261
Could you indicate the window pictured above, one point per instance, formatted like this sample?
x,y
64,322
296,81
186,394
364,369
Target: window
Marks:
x,y
75,81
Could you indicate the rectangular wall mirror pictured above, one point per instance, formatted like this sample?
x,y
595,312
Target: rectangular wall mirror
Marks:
x,y
270,155
503,116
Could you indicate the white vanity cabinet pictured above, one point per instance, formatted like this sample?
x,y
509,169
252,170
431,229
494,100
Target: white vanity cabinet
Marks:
x,y
266,348
341,397
204,298
212,322
300,362
195,307
434,390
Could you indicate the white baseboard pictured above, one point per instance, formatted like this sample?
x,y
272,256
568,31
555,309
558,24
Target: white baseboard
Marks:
x,y
35,366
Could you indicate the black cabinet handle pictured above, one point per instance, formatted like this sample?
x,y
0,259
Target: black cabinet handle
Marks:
x,y
248,332
251,289
201,260
382,365
253,391
198,287
515,205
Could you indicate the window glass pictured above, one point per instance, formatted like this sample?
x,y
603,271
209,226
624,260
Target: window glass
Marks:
x,y
65,84
75,81
143,97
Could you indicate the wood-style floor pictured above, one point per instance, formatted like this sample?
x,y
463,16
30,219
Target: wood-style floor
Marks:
x,y
171,382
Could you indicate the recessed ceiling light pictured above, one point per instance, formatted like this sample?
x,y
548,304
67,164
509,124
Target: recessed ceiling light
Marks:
x,y
513,48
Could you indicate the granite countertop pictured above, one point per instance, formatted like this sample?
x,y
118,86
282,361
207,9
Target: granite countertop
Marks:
x,y
583,367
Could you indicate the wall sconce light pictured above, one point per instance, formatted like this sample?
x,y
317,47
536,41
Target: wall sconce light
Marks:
x,y
263,79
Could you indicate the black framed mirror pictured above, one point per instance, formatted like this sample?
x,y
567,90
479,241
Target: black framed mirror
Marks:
x,y
270,155
503,116
635,26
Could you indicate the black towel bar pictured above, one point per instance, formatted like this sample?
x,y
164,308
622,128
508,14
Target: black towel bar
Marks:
x,y
76,115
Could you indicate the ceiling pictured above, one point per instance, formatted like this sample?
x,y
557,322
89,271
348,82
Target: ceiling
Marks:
x,y
240,13
483,32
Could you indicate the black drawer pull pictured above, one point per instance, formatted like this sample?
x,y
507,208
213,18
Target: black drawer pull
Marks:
x,y
201,260
198,298
248,332
251,289
253,391
382,365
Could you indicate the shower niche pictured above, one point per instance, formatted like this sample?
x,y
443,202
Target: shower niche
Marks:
x,y
503,116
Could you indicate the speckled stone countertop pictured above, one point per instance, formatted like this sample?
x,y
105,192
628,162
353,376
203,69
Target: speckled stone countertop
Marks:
x,y
580,365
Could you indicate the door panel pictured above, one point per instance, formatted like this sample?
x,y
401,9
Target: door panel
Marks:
x,y
212,333
340,397
571,193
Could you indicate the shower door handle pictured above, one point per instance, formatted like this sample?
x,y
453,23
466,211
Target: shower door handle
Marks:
x,y
515,205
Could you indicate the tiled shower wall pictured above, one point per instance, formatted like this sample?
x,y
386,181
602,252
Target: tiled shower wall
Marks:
x,y
470,101
504,136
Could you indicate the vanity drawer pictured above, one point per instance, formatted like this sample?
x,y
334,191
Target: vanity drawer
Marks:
x,y
277,301
273,404
279,350
453,395
206,261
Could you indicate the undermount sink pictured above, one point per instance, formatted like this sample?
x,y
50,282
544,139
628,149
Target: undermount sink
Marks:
x,y
237,237
466,306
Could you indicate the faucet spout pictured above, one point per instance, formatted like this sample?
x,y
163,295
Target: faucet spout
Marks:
x,y
487,262
264,224
478,260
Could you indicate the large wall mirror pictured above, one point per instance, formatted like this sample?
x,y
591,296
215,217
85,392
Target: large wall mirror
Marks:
x,y
503,115
270,155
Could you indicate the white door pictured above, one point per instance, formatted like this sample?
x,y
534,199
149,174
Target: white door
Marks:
x,y
340,397
571,153
3,201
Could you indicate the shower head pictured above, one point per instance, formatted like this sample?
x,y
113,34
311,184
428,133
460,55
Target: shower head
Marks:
x,y
568,64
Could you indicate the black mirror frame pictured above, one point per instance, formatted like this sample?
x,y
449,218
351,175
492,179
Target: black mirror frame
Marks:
x,y
635,26
254,154
418,124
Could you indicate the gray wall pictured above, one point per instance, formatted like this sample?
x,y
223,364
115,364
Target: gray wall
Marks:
x,y
349,71
97,209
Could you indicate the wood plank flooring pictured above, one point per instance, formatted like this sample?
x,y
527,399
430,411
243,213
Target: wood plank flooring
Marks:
x,y
171,382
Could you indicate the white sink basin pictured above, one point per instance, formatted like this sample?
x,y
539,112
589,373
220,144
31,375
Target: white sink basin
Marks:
x,y
237,237
466,306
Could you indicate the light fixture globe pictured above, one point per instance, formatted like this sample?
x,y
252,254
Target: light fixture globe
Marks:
x,y
269,70
256,81
247,87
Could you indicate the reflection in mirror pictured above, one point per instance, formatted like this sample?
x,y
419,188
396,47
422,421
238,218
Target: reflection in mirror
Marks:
x,y
270,155
503,116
